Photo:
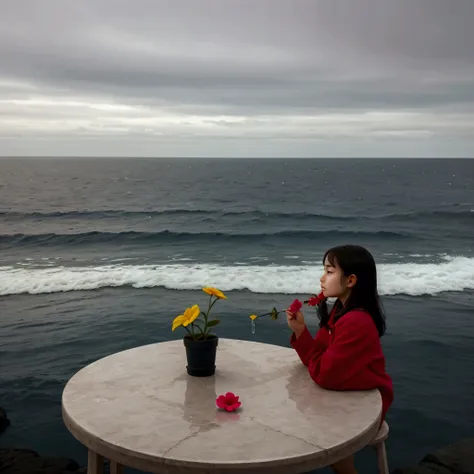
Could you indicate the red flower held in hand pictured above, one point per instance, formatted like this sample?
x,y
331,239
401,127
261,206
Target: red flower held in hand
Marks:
x,y
295,306
315,300
228,402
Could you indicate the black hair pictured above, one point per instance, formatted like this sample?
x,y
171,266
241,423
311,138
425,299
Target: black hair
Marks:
x,y
355,260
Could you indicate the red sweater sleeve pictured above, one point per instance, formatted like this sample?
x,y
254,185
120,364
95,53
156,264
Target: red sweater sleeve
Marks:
x,y
355,337
306,341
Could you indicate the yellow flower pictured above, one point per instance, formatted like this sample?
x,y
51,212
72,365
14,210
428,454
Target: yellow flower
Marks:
x,y
187,318
253,316
215,292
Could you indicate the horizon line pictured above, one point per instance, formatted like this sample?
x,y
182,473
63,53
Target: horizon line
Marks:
x,y
239,157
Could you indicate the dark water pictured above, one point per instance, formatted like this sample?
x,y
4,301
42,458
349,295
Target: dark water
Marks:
x,y
97,256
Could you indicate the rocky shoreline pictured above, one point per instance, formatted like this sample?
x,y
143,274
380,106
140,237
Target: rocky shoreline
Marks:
x,y
457,458
27,461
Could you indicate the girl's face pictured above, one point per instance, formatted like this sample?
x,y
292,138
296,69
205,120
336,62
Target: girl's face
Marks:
x,y
333,282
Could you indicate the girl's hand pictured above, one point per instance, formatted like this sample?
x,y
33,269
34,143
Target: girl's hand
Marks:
x,y
295,322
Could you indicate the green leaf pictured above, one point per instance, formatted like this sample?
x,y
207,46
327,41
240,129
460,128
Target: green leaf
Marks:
x,y
212,323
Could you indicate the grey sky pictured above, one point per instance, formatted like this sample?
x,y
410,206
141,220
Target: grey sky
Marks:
x,y
237,78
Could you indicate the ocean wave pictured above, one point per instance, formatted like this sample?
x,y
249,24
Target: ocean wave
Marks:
x,y
255,213
453,274
100,214
168,235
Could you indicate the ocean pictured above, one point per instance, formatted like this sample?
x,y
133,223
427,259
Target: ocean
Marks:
x,y
99,255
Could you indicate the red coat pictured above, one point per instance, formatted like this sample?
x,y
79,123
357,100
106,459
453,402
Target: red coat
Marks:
x,y
347,356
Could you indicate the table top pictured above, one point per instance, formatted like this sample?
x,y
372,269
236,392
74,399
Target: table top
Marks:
x,y
140,408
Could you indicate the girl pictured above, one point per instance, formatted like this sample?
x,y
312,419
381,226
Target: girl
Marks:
x,y
346,353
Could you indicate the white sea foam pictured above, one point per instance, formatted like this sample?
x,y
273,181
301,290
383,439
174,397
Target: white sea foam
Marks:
x,y
453,274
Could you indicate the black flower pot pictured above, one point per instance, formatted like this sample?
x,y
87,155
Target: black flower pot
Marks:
x,y
201,356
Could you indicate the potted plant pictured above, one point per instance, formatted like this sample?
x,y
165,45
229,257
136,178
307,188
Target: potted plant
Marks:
x,y
200,343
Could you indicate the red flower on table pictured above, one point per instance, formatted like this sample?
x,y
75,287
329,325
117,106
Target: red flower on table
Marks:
x,y
295,306
228,402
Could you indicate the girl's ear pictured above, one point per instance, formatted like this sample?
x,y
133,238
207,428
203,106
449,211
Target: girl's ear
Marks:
x,y
351,281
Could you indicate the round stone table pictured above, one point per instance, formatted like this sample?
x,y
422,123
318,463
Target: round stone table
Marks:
x,y
139,408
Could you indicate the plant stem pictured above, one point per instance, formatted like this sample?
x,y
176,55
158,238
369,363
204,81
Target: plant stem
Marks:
x,y
209,310
213,303
206,315
185,327
199,327
270,313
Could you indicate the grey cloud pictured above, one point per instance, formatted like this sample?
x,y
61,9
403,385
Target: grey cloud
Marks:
x,y
247,91
243,58
163,48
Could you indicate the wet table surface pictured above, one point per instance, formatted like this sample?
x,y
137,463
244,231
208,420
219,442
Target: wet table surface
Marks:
x,y
139,408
